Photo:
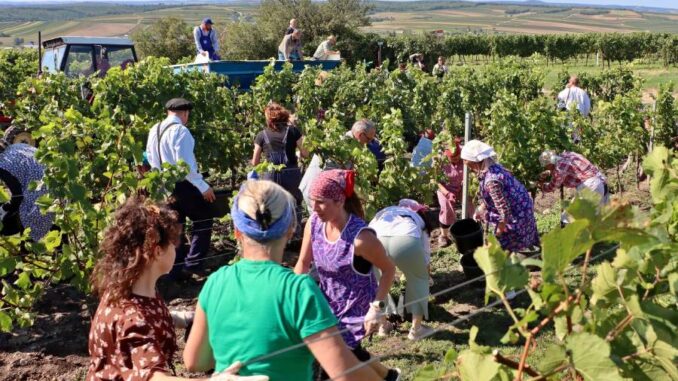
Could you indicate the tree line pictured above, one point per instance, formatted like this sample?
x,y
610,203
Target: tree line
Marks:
x,y
171,38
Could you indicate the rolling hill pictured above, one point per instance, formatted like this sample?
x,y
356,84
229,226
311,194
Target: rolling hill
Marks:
x,y
108,19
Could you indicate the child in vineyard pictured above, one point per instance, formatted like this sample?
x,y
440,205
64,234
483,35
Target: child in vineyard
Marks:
x,y
132,334
344,249
506,205
450,192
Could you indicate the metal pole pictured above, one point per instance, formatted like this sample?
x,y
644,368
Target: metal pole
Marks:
x,y
467,136
39,52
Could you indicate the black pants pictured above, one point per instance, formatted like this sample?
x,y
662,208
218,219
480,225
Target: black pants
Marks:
x,y
188,202
289,179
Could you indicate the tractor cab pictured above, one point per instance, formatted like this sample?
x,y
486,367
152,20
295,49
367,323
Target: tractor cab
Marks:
x,y
77,56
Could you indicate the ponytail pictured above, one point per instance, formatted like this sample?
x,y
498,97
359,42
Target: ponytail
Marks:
x,y
353,205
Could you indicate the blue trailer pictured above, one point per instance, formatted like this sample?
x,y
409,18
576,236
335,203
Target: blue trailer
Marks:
x,y
243,73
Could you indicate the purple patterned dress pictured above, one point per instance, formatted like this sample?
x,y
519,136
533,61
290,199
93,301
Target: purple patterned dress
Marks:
x,y
348,291
512,200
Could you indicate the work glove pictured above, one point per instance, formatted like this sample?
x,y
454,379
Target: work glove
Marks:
x,y
373,319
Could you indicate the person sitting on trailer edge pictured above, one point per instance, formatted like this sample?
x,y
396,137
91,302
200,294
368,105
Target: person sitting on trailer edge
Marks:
x,y
170,142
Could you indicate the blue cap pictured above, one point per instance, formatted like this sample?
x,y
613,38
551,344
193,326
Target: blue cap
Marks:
x,y
207,20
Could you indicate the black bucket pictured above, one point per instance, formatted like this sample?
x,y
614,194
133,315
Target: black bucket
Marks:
x,y
468,235
471,270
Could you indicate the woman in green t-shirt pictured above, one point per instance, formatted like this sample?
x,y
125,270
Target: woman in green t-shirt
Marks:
x,y
250,310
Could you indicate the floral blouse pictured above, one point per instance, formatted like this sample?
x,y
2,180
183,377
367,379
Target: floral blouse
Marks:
x,y
131,340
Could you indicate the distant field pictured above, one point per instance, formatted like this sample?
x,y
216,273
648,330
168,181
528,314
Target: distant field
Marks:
x,y
398,17
119,25
494,18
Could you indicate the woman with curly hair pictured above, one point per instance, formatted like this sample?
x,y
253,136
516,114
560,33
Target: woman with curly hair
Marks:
x,y
132,335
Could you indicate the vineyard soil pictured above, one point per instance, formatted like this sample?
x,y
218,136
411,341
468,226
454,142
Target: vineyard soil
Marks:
x,y
55,348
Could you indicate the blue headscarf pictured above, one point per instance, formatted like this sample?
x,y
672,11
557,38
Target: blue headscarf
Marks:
x,y
262,229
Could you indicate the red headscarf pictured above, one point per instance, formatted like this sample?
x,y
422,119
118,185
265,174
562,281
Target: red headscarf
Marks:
x,y
457,149
335,184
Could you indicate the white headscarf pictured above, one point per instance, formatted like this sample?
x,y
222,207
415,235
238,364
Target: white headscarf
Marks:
x,y
477,151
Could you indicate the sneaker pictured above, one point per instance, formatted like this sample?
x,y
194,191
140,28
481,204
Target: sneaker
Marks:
x,y
421,332
385,329
394,374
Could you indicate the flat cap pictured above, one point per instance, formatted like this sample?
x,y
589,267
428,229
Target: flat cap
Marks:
x,y
178,104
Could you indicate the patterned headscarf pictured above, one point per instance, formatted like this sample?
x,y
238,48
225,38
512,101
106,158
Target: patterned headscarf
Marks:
x,y
335,184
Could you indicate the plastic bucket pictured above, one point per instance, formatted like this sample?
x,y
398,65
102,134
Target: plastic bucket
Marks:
x,y
471,270
467,234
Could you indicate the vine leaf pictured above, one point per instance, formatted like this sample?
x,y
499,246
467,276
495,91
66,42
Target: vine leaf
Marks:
x,y
655,163
501,274
604,285
561,246
590,356
554,356
5,322
477,367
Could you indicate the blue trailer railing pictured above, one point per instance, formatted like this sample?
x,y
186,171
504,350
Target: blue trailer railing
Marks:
x,y
243,73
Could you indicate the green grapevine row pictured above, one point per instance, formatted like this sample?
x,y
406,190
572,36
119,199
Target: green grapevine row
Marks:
x,y
91,150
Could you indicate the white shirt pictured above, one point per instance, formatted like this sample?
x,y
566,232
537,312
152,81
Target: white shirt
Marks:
x,y
577,97
176,144
321,53
396,221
